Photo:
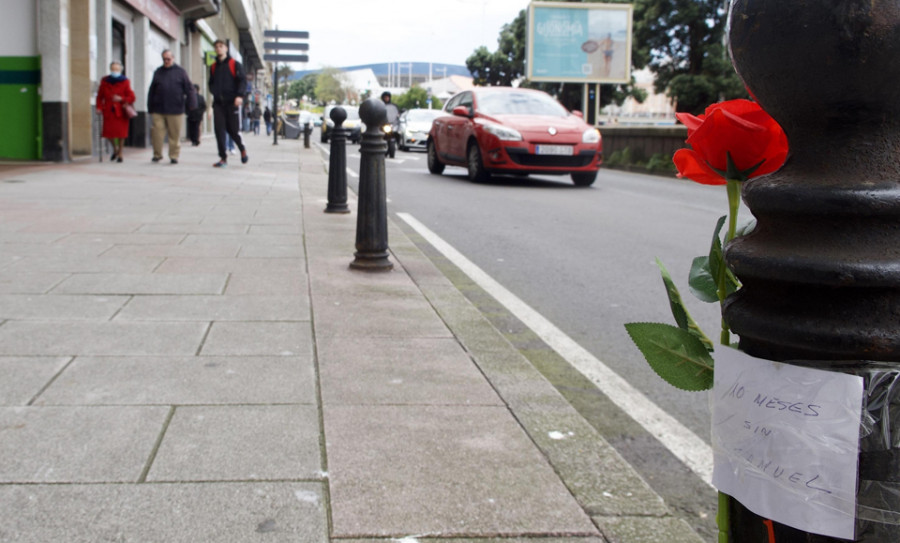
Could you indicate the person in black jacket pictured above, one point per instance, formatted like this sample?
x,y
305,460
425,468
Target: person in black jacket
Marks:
x,y
170,89
226,84
195,117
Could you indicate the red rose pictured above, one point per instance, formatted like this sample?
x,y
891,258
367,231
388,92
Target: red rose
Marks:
x,y
736,127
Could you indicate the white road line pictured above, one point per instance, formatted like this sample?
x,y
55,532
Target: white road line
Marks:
x,y
682,442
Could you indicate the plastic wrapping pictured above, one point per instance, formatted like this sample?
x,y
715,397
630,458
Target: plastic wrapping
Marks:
x,y
878,479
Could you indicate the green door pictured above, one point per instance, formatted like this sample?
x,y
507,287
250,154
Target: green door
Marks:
x,y
20,108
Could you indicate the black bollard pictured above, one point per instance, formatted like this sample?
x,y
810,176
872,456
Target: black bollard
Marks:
x,y
337,164
306,131
371,221
820,273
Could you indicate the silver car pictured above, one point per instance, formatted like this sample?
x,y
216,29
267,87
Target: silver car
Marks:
x,y
414,127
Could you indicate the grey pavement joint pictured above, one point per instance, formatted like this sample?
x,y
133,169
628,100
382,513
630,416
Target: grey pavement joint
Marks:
x,y
186,356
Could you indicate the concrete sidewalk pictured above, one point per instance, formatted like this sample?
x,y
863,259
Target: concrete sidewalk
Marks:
x,y
185,356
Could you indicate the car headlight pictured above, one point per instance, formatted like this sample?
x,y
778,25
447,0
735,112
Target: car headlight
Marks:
x,y
503,132
591,135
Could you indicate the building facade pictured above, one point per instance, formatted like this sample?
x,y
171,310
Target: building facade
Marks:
x,y
53,54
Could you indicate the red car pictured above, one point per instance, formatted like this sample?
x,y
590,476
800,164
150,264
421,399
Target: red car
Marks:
x,y
507,130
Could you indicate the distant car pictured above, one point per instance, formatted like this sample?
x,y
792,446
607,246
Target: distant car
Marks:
x,y
352,124
506,130
414,127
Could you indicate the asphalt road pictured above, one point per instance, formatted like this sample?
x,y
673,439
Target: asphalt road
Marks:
x,y
584,258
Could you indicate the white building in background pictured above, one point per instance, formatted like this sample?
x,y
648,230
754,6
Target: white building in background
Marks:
x,y
656,109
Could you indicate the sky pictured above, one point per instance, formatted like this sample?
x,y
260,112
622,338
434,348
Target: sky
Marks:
x,y
352,32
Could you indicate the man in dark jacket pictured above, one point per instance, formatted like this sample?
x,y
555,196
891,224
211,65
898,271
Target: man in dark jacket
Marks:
x,y
227,83
170,89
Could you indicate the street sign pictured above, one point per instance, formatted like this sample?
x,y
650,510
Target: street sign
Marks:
x,y
286,45
286,34
285,58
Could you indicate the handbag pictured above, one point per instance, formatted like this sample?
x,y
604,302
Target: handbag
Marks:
x,y
129,110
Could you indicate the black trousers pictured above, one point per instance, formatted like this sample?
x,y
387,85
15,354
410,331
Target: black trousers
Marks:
x,y
227,119
193,128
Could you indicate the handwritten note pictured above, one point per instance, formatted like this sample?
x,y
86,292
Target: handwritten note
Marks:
x,y
786,441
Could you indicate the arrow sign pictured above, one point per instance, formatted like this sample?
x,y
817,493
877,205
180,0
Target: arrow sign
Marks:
x,y
286,58
286,45
286,34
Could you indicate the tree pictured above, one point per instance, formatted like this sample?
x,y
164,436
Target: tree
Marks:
x,y
681,41
416,97
330,86
305,86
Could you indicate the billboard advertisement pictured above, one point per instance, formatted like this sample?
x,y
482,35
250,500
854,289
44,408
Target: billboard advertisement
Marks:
x,y
583,42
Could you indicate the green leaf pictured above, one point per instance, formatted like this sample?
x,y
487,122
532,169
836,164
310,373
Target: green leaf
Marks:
x,y
674,354
701,281
682,318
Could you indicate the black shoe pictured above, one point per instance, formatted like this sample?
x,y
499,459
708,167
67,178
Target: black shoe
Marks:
x,y
174,161
220,164
113,157
244,157
156,158
118,159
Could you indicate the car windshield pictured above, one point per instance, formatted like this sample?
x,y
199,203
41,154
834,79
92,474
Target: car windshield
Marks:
x,y
423,115
519,103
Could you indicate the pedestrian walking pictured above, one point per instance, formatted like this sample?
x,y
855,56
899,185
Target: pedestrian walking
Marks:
x,y
267,116
254,119
195,117
170,90
113,96
226,84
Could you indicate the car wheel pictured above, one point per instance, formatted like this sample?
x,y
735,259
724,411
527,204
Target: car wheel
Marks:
x,y
584,179
434,164
477,173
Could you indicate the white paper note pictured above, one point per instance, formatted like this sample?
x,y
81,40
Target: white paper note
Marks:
x,y
786,441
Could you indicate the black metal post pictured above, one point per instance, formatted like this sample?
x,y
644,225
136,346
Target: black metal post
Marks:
x,y
821,271
337,163
371,221
275,116
306,131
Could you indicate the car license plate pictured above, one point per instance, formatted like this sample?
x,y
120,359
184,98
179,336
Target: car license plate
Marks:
x,y
566,150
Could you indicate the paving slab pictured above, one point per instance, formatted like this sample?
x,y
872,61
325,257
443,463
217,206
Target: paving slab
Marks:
x,y
258,338
174,513
422,371
399,470
100,338
77,444
215,308
646,530
25,377
180,380
150,283
59,307
240,443
289,281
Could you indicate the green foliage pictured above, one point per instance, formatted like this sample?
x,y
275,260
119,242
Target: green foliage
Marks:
x,y
416,97
682,318
330,86
675,354
305,86
681,42
661,163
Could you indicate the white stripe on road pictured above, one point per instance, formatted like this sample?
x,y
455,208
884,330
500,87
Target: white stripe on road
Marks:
x,y
683,443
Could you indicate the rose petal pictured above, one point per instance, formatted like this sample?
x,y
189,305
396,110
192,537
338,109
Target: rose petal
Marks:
x,y
690,121
724,132
692,165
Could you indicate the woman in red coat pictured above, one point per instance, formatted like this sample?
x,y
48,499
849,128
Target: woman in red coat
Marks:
x,y
114,92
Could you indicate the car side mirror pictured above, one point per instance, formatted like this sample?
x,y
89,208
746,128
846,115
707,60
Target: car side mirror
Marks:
x,y
578,114
462,111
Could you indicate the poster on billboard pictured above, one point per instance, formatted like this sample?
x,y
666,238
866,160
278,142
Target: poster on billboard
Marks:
x,y
584,42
